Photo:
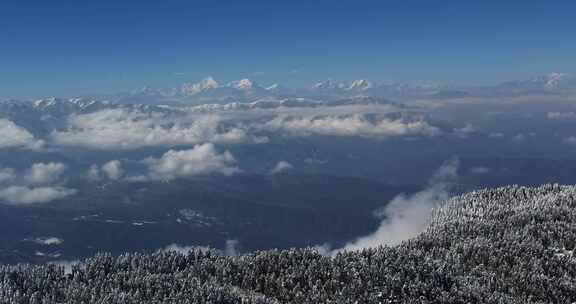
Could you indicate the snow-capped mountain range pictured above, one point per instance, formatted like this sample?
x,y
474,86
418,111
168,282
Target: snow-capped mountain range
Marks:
x,y
551,82
247,90
210,91
244,90
43,117
54,111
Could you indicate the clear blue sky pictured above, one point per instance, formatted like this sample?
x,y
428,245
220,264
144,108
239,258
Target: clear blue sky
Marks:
x,y
75,47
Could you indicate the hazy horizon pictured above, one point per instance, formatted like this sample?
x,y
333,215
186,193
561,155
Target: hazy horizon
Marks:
x,y
71,48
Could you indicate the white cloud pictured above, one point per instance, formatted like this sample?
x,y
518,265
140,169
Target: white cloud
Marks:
x,y
200,160
231,248
36,186
280,167
42,173
351,125
47,241
22,195
113,129
16,136
406,216
113,169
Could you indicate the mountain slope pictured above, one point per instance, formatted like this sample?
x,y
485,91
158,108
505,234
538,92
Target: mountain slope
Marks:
x,y
507,245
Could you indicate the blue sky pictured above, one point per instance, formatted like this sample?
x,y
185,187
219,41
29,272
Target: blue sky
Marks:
x,y
78,47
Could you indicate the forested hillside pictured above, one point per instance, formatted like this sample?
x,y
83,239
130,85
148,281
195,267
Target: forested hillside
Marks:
x,y
506,245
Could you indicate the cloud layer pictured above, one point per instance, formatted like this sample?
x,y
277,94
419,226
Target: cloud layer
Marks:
x,y
115,129
351,125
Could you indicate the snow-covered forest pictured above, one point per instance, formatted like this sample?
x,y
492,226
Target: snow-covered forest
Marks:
x,y
505,245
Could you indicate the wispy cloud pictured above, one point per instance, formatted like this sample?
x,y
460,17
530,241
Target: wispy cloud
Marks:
x,y
406,216
281,166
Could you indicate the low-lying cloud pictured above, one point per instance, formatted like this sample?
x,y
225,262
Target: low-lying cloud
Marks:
x,y
111,170
351,125
135,128
280,167
14,136
200,160
120,129
39,184
406,216
48,241
41,173
23,195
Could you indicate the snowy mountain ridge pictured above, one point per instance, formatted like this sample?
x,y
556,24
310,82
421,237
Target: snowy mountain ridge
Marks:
x,y
210,91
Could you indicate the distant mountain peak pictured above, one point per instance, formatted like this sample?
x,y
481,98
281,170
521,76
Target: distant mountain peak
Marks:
x,y
552,80
146,90
243,84
356,85
273,87
548,82
49,101
328,85
69,105
195,88
360,85
209,82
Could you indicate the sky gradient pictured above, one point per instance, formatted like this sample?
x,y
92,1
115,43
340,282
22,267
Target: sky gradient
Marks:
x,y
79,47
